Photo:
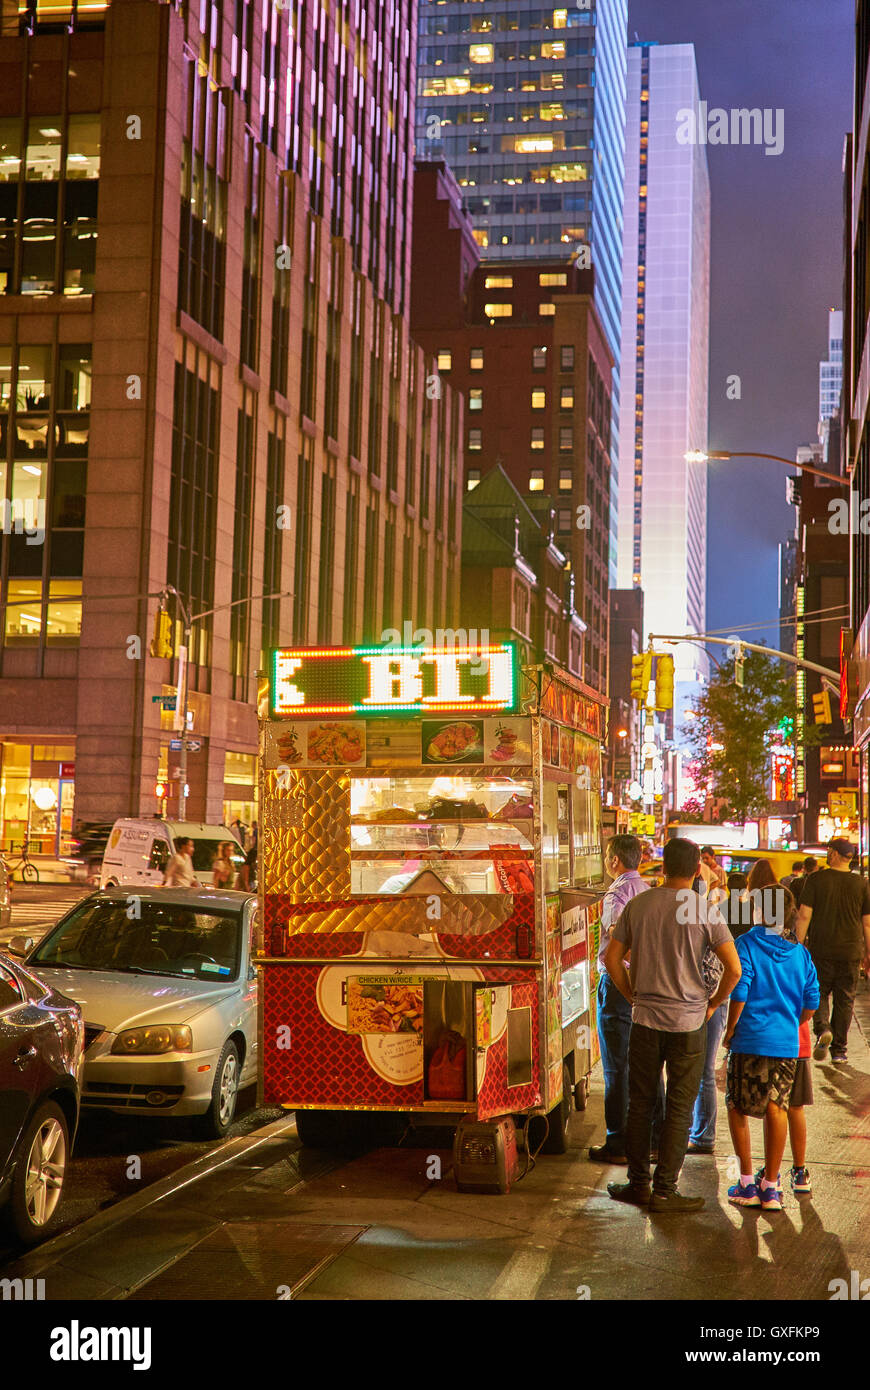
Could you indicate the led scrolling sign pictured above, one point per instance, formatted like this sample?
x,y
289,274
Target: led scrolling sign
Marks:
x,y
375,681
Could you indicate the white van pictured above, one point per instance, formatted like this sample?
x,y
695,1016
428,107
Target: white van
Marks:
x,y
138,851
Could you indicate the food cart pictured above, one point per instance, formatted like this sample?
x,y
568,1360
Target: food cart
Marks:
x,y
431,877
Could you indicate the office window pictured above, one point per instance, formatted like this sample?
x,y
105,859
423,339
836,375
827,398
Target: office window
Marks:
x,y
475,398
539,359
566,479
566,358
566,397
539,398
566,439
475,440
499,282
536,480
546,279
445,360
498,311
475,359
472,478
537,439
546,310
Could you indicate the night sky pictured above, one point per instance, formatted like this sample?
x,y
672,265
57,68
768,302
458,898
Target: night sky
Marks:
x,y
776,264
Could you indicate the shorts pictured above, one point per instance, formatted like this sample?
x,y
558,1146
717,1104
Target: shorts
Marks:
x,y
752,1082
802,1090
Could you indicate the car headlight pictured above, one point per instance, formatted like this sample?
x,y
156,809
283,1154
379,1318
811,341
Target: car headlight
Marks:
x,y
159,1037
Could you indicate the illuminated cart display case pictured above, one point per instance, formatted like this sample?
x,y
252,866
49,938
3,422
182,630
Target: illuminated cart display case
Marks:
x,y
431,875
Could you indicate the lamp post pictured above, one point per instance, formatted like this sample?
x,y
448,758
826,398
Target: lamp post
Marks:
x,y
701,456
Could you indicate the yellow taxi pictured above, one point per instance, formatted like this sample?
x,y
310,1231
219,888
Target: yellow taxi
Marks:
x,y
743,861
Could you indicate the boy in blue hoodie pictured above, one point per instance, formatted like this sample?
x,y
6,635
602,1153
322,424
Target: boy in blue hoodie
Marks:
x,y
777,992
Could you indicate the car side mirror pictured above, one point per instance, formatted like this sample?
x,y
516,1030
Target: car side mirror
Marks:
x,y
21,945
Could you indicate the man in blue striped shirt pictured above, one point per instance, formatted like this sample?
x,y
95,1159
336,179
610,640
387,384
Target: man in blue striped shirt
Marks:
x,y
621,859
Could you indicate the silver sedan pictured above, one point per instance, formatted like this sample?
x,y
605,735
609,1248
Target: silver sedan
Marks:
x,y
168,991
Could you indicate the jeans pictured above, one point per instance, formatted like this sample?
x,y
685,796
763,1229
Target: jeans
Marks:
x,y
614,1029
683,1054
839,977
703,1129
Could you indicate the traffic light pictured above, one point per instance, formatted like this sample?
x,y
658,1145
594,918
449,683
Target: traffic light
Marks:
x,y
641,670
161,642
822,707
664,682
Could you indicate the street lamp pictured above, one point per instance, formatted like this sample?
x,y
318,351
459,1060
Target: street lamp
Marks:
x,y
699,456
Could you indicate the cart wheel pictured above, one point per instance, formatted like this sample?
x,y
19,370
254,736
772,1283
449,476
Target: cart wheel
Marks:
x,y
557,1139
581,1093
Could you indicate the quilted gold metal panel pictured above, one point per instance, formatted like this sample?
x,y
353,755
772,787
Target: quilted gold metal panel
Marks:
x,y
459,916
306,834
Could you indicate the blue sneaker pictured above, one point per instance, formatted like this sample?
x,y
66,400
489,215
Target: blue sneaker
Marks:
x,y
744,1196
800,1180
771,1197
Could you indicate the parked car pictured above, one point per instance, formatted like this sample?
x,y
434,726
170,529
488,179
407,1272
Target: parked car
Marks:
x,y
42,1041
138,851
169,991
5,895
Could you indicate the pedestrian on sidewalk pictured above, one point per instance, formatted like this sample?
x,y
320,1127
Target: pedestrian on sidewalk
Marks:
x,y
222,871
797,873
778,990
811,866
667,931
735,908
834,921
621,860
711,870
180,871
702,1134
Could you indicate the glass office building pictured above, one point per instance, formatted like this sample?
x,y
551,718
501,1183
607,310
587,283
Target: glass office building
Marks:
x,y
527,106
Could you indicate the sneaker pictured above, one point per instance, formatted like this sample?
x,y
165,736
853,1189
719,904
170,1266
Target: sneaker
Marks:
x,y
760,1174
839,1054
674,1201
800,1180
745,1196
771,1197
700,1149
627,1192
823,1042
603,1154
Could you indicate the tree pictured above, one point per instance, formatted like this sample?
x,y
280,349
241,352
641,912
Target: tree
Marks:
x,y
732,738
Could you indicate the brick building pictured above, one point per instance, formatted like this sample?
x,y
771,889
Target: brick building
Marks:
x,y
521,339
206,381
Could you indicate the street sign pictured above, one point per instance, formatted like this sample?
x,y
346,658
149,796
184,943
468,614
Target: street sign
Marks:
x,y
193,745
165,701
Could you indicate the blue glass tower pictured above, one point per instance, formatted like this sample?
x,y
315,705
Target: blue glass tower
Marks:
x,y
527,106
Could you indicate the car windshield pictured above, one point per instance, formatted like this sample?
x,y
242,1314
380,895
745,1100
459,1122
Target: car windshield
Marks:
x,y
139,936
205,852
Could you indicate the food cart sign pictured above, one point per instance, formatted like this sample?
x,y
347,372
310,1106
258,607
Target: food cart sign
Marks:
x,y
371,682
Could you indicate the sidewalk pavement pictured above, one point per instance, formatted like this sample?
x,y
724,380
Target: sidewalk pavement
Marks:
x,y
263,1218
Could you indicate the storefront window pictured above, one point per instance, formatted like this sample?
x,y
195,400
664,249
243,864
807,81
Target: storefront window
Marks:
x,y
37,793
241,793
14,794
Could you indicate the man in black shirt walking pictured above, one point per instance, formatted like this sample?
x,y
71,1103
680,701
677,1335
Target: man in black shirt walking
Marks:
x,y
834,920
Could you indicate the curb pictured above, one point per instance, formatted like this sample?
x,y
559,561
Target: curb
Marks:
x,y
52,1251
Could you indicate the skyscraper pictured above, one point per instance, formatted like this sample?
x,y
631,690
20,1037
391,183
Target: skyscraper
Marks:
x,y
526,105
831,376
665,350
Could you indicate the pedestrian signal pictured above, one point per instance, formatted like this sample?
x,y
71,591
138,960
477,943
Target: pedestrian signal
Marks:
x,y
664,682
641,670
161,643
822,707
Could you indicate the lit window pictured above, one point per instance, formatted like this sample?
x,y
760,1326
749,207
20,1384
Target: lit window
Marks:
x,y
546,279
546,310
539,399
566,397
499,282
445,360
536,480
475,359
63,624
566,479
498,311
566,439
532,144
475,398
23,612
475,440
567,358
560,19
472,479
537,438
480,53
554,49
539,359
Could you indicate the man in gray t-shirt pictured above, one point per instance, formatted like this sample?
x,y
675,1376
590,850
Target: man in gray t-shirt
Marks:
x,y
667,931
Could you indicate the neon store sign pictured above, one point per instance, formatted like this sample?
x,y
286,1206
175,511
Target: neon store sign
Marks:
x,y
372,681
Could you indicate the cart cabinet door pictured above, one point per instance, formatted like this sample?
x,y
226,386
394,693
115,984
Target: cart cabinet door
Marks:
x,y
507,1044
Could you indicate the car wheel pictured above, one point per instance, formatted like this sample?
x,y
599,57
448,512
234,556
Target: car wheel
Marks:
x,y
40,1173
224,1093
